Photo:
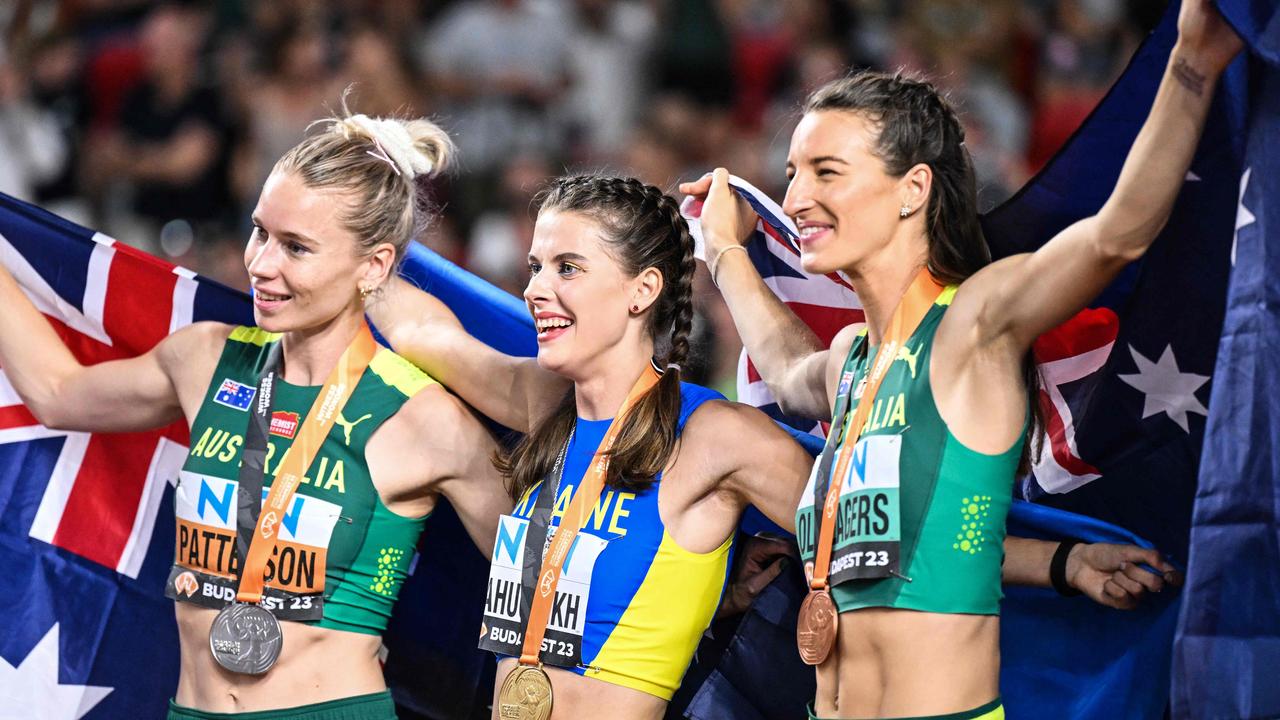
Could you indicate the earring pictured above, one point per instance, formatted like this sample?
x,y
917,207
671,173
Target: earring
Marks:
x,y
635,308
904,211
365,292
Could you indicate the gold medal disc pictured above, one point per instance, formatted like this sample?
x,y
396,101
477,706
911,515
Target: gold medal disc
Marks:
x,y
525,695
816,627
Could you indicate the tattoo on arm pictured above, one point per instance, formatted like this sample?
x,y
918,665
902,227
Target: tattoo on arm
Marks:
x,y
1188,76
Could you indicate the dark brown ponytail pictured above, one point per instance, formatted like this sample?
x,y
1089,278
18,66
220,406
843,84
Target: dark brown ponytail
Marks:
x,y
644,229
915,124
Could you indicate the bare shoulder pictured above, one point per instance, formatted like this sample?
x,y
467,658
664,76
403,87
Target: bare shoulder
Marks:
x,y
724,427
979,298
189,354
841,344
433,409
979,312
434,421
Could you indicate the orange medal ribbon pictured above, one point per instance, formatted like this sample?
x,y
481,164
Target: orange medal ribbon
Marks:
x,y
817,624
588,493
312,432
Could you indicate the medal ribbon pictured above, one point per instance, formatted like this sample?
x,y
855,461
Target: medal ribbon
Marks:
x,y
911,309
584,499
260,536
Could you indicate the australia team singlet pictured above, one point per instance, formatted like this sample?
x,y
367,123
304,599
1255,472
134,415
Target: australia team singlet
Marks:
x,y
914,489
631,604
341,555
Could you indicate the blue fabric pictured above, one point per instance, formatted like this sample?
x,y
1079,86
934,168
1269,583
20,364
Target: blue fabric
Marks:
x,y
1228,643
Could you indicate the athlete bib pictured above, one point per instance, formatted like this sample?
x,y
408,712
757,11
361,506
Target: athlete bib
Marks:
x,y
506,607
867,531
206,567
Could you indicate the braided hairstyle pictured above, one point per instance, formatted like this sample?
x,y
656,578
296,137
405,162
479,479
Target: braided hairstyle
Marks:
x,y
642,228
915,124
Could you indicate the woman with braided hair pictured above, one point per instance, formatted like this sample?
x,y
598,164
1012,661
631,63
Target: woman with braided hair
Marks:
x,y
931,402
316,456
632,481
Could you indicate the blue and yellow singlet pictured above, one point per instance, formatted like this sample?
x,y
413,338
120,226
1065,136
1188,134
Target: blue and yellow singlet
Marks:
x,y
631,605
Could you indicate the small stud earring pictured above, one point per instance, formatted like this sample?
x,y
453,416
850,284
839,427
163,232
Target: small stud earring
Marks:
x,y
635,308
365,292
904,211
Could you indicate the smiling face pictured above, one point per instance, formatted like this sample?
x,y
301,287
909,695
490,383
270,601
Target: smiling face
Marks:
x,y
839,195
578,294
305,267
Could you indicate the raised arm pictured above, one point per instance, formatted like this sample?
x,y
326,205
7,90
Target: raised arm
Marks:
x,y
436,446
1020,297
762,465
785,351
511,390
115,396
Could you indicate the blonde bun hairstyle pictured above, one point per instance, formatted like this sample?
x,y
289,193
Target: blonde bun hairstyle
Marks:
x,y
385,164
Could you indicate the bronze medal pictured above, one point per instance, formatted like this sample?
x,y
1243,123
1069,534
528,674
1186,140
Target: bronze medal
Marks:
x,y
816,627
525,694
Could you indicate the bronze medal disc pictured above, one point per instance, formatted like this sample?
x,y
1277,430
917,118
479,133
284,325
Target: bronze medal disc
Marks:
x,y
525,695
816,627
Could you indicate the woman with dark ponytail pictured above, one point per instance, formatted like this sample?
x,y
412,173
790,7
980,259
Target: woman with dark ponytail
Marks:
x,y
650,474
930,402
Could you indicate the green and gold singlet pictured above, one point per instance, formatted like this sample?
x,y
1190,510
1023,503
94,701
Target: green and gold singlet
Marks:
x,y
913,484
342,554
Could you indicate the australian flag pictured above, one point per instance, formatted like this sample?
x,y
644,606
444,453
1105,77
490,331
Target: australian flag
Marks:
x,y
86,631
1228,642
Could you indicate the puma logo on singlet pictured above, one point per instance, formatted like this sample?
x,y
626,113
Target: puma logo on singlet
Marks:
x,y
347,427
904,353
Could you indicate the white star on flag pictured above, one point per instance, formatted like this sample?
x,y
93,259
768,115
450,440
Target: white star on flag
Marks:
x,y
1244,218
1166,389
32,688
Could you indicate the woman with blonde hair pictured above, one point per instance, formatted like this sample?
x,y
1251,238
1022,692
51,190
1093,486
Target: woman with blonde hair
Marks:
x,y
316,456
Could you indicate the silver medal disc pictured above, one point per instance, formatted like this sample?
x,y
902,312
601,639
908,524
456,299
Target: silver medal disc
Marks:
x,y
245,639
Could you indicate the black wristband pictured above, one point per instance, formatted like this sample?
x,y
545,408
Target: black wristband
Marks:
x,y
1058,569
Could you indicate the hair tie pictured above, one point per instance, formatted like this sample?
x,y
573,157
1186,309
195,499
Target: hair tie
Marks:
x,y
396,144
675,366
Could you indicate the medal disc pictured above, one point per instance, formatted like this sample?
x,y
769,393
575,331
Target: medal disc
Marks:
x,y
525,695
245,639
816,627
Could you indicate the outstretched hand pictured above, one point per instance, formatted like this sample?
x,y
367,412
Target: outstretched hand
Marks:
x,y
1206,35
1115,576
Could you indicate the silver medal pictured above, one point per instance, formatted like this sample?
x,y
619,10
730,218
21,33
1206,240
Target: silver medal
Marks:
x,y
245,639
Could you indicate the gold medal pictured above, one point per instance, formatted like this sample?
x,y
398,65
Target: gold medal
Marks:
x,y
525,694
816,627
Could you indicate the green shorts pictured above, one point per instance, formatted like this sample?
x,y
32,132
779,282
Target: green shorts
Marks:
x,y
993,710
375,706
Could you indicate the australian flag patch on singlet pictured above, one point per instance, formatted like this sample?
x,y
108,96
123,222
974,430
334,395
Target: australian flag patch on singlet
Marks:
x,y
235,395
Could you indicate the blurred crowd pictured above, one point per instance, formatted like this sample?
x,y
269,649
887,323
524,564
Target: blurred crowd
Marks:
x,y
157,122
